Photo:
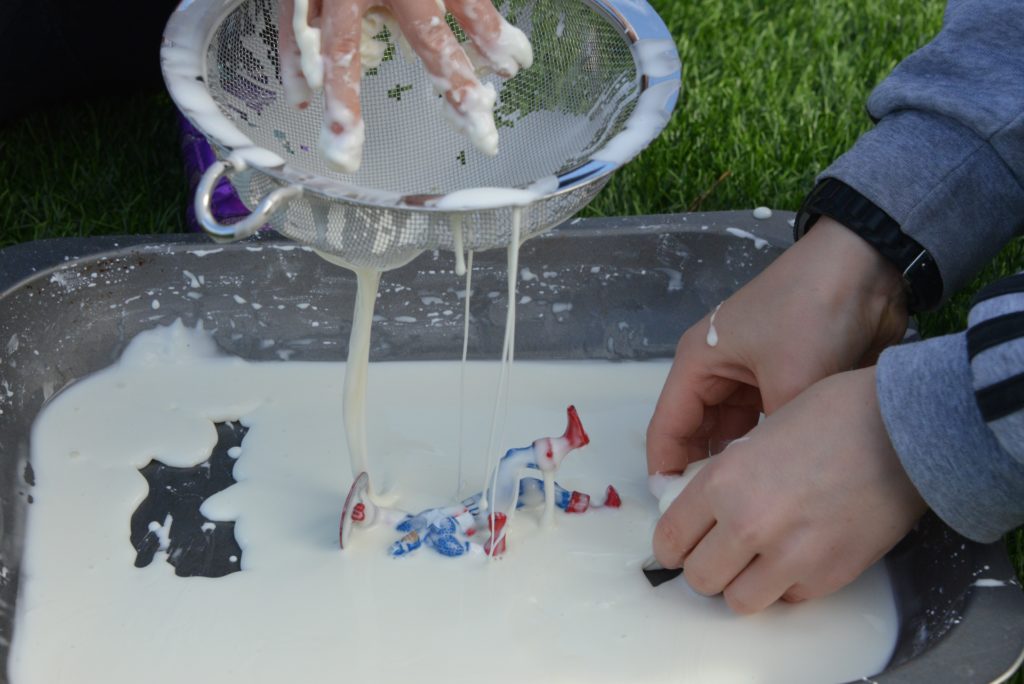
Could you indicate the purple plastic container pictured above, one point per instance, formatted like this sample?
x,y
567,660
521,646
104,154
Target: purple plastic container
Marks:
x,y
198,156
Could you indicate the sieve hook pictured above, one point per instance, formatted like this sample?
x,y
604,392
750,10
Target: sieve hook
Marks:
x,y
251,223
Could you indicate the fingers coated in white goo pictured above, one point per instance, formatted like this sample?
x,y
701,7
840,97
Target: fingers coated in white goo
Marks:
x,y
328,44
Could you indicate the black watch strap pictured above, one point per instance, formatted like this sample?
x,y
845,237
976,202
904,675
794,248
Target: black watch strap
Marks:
x,y
837,200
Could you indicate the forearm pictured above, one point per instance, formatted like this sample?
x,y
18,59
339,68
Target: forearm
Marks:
x,y
946,160
954,410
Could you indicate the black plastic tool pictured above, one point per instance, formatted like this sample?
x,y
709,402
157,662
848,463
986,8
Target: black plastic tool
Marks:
x,y
656,574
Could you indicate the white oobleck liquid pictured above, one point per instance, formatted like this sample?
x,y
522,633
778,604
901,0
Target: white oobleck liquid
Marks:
x,y
565,604
712,336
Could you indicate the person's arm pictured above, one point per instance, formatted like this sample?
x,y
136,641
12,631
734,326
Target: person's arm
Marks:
x,y
946,158
954,409
946,162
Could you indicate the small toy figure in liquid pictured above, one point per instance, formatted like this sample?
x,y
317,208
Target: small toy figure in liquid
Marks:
x,y
524,476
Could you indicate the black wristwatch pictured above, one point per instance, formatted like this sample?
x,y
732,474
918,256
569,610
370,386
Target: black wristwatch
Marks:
x,y
837,200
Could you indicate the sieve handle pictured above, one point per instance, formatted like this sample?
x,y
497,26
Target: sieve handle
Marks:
x,y
251,223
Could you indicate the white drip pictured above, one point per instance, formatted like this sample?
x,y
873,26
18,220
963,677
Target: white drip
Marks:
x,y
504,377
712,338
549,499
357,368
458,245
462,375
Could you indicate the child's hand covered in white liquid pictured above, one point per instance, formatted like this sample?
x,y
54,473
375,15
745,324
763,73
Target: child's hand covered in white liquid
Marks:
x,y
332,46
799,510
828,304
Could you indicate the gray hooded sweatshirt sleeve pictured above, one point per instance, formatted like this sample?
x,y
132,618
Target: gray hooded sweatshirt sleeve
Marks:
x,y
946,161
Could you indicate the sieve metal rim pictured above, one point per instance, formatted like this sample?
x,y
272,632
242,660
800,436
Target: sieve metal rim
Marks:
x,y
635,20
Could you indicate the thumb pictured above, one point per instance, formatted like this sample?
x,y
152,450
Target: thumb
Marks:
x,y
683,417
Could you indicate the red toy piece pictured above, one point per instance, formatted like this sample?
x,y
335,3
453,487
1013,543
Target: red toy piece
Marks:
x,y
354,510
612,498
574,432
496,526
578,503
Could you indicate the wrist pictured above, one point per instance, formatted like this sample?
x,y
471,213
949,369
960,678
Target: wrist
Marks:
x,y
858,293
855,270
835,199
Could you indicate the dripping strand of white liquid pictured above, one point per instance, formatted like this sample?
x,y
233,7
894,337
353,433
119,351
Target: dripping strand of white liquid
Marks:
x,y
504,377
548,521
458,244
356,371
508,362
712,338
462,373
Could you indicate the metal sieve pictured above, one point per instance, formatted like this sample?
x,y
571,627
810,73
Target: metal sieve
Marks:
x,y
604,81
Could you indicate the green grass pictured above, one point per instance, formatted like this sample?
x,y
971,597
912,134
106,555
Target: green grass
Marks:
x,y
102,167
772,92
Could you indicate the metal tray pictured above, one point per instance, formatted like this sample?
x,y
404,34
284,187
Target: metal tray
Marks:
x,y
69,307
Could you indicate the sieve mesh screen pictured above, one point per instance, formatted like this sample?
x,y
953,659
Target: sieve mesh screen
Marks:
x,y
551,118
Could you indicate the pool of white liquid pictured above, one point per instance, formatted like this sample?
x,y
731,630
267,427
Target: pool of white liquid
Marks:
x,y
567,604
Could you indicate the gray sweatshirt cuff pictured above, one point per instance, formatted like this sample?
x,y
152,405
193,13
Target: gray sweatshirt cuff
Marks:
x,y
947,188
926,397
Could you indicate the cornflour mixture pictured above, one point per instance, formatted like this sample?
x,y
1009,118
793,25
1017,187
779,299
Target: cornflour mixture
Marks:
x,y
563,605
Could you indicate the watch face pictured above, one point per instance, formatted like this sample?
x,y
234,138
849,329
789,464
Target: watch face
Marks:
x,y
924,282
